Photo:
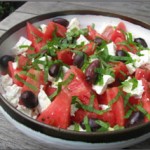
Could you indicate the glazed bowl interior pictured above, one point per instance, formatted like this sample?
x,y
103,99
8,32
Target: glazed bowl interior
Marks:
x,y
8,40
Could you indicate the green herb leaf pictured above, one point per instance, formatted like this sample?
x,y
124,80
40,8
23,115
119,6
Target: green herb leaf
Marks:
x,y
86,123
60,84
128,114
27,46
38,39
140,108
115,98
76,127
134,82
26,83
117,127
103,124
51,97
92,100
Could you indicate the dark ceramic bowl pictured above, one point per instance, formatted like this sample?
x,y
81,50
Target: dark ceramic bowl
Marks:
x,y
66,138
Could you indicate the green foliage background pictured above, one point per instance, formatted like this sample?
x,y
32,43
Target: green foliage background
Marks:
x,y
8,7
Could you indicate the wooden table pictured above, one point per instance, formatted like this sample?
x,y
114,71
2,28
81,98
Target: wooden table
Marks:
x,y
10,137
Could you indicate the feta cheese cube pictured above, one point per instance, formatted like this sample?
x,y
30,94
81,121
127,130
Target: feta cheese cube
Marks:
x,y
144,59
137,91
43,100
15,65
43,27
130,68
100,89
74,23
138,61
22,42
81,40
111,49
65,69
6,80
12,94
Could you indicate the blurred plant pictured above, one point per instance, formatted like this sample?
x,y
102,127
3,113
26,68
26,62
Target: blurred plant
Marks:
x,y
7,7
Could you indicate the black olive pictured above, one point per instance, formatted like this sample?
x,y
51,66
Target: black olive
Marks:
x,y
5,59
135,119
54,70
29,99
98,41
92,123
141,41
121,53
61,21
91,75
78,60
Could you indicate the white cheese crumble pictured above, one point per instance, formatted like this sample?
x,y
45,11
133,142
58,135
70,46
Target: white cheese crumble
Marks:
x,y
55,84
43,59
71,127
15,65
6,80
111,49
92,59
43,28
27,111
65,69
100,89
144,59
12,94
81,40
43,100
138,61
12,91
53,80
17,49
73,109
103,106
137,91
74,23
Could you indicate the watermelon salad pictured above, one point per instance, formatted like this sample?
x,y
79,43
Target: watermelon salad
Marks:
x,y
78,78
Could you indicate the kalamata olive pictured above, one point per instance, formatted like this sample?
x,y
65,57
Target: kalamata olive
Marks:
x,y
141,41
78,60
92,123
5,59
61,21
54,70
91,75
29,99
98,41
135,119
121,53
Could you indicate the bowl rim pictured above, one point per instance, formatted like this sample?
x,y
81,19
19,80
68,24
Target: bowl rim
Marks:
x,y
92,137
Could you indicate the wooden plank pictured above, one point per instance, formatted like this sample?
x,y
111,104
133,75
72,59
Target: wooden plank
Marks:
x,y
45,7
14,19
124,8
12,138
1,32
138,10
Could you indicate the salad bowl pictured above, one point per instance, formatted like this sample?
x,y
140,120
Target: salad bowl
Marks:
x,y
62,138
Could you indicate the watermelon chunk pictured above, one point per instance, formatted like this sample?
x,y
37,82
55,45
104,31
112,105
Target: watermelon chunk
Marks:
x,y
35,78
58,113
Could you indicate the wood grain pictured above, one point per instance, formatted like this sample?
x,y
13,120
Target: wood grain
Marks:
x,y
10,137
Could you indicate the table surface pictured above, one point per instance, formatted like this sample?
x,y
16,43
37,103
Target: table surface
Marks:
x,y
12,138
